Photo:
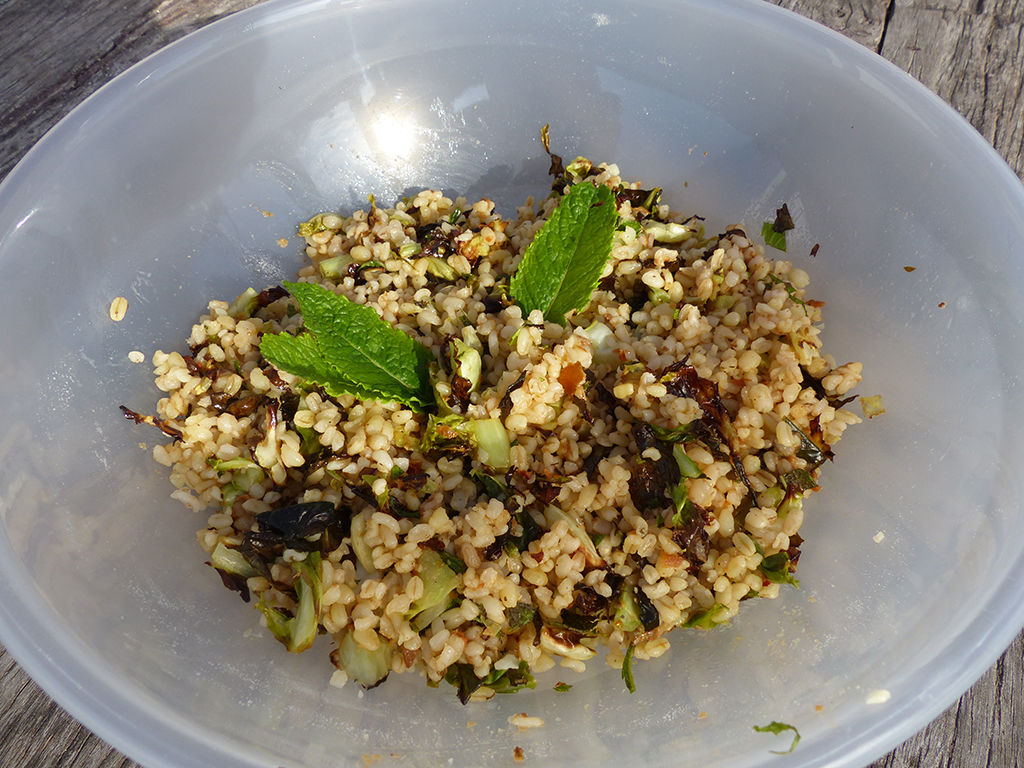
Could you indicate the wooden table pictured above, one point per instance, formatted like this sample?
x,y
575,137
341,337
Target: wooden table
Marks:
x,y
971,52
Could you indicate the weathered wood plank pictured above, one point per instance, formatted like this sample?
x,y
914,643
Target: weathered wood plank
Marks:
x,y
984,728
36,733
971,52
860,20
974,59
57,53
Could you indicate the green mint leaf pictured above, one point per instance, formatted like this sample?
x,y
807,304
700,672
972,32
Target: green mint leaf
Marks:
x,y
563,264
775,239
349,349
776,727
362,347
301,356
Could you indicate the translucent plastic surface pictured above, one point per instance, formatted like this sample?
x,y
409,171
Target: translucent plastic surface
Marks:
x,y
155,190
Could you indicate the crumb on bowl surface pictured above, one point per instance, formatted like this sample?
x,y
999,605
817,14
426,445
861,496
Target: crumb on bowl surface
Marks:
x,y
525,722
118,308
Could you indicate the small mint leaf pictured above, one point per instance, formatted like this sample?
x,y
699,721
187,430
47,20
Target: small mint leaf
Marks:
x,y
561,267
300,356
772,238
349,349
776,727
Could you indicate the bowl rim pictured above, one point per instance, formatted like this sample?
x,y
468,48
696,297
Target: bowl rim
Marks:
x,y
71,674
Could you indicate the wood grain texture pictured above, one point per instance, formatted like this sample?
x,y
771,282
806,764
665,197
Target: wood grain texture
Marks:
x,y
57,53
971,52
860,20
972,55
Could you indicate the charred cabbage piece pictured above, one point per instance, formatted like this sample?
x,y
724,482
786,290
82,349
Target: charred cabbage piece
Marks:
x,y
485,438
296,523
566,642
776,727
652,481
553,514
778,569
358,545
367,667
715,429
465,364
298,632
308,527
627,615
710,618
603,344
234,570
223,558
467,683
439,583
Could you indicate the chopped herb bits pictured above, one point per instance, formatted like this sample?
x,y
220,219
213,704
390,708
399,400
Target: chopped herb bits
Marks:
x,y
777,728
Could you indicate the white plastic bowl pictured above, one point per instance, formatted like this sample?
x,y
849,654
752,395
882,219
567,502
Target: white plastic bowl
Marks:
x,y
154,189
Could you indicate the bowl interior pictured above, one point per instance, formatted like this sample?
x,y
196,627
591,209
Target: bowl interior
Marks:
x,y
173,185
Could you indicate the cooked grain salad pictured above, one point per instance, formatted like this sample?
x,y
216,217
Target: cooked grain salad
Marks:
x,y
479,447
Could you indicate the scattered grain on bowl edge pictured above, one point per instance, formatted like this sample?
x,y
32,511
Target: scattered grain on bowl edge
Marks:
x,y
878,696
518,755
118,308
525,722
872,406
909,269
136,357
879,537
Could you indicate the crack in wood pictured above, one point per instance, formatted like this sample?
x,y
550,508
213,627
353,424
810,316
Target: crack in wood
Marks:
x,y
889,10
951,752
